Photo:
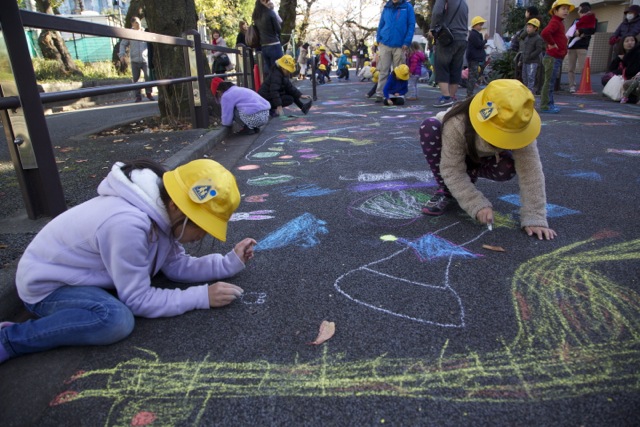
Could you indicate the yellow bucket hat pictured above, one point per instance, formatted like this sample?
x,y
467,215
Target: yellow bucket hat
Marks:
x,y
206,193
477,20
287,62
402,72
322,67
535,22
503,114
347,52
559,3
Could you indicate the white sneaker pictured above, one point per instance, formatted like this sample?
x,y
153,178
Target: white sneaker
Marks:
x,y
572,89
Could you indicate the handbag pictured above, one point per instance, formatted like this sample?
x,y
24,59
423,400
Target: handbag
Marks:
x,y
443,34
613,89
253,36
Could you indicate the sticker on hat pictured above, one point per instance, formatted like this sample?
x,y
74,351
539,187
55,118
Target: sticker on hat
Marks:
x,y
202,191
487,112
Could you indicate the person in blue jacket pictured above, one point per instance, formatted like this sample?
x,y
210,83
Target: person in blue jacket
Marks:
x,y
397,85
343,65
394,36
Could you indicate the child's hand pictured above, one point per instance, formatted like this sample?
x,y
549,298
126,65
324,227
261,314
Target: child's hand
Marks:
x,y
485,216
244,249
279,110
222,293
541,232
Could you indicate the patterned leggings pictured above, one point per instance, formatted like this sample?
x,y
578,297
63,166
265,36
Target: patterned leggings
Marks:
x,y
489,167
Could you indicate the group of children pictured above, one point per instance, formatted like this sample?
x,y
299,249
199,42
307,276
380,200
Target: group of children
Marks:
x,y
88,272
246,110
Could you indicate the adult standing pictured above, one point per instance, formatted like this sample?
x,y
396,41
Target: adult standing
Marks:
x,y
454,14
242,33
138,53
220,59
585,26
630,26
266,19
395,33
303,60
363,55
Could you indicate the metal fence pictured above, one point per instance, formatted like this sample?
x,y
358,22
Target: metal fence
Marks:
x,y
21,105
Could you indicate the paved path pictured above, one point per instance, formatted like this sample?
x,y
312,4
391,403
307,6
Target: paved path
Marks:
x,y
431,328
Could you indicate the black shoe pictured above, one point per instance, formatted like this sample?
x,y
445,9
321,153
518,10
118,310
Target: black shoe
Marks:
x,y
246,131
306,106
379,99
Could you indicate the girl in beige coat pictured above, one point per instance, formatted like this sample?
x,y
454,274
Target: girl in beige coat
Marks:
x,y
492,136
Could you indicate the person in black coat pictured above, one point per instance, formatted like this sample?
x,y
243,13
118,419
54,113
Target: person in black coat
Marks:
x,y
278,89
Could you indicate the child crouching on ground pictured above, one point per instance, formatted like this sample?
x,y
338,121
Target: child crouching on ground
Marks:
x,y
397,86
365,73
374,78
492,136
242,109
278,89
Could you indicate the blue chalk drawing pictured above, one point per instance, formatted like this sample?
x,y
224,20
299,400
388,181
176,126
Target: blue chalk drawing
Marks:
x,y
306,190
430,247
301,231
593,176
571,157
553,211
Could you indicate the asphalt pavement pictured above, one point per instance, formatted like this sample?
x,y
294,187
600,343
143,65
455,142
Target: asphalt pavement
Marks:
x,y
431,327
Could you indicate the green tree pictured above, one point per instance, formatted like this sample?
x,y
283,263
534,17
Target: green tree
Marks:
x,y
225,16
51,42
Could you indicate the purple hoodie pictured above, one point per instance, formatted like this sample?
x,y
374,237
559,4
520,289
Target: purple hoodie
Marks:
x,y
119,240
245,100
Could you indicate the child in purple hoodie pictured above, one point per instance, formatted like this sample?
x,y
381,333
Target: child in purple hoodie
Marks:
x,y
88,272
242,109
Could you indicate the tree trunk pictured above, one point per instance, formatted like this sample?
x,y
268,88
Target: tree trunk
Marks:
x,y
287,12
52,45
168,60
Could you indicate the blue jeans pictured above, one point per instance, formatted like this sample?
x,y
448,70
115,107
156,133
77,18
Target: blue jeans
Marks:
x,y
552,68
270,54
70,316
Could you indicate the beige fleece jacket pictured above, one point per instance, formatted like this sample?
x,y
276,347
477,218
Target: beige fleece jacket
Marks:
x,y
533,211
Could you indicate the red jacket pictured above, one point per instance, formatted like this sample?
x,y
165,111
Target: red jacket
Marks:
x,y
554,33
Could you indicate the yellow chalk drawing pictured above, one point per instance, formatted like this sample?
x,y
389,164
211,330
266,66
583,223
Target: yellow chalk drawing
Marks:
x,y
578,334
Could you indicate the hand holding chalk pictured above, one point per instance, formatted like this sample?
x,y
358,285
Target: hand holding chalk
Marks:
x,y
222,293
244,249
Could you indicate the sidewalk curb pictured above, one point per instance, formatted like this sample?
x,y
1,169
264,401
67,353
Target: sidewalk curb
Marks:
x,y
10,304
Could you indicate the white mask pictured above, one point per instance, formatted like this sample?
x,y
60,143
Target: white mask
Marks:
x,y
630,16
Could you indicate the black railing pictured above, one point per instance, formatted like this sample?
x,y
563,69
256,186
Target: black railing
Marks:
x,y
21,105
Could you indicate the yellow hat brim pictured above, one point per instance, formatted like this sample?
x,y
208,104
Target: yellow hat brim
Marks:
x,y
498,137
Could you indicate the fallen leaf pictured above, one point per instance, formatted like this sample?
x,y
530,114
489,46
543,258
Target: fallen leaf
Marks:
x,y
118,140
327,329
82,160
3,246
494,248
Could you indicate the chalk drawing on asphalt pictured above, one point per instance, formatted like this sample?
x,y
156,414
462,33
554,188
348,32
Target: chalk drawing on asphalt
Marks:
x,y
553,211
591,176
437,304
252,216
303,231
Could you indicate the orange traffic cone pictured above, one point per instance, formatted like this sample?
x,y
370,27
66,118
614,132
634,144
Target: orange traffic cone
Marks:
x,y
585,79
